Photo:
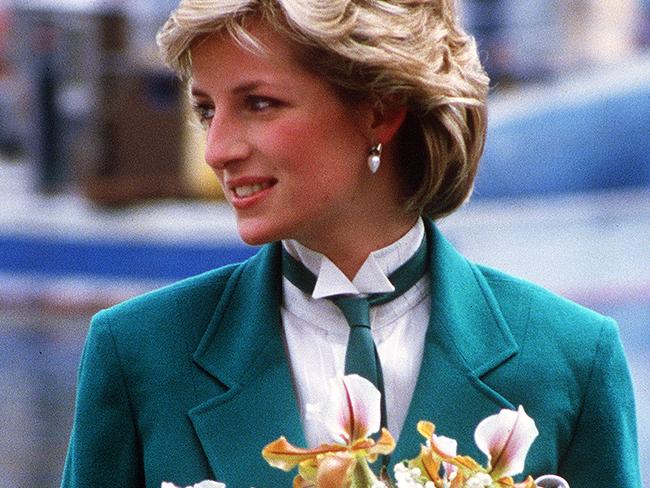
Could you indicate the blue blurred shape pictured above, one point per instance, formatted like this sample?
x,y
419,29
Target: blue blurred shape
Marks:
x,y
588,133
108,258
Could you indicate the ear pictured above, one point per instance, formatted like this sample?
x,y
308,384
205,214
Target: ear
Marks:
x,y
387,119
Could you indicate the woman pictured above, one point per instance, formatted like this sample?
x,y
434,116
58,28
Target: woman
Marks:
x,y
341,129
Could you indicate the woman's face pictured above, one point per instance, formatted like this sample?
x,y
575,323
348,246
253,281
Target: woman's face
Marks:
x,y
289,154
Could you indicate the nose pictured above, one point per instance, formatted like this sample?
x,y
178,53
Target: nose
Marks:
x,y
226,142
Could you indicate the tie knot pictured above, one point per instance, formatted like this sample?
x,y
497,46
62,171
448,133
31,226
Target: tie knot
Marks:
x,y
355,309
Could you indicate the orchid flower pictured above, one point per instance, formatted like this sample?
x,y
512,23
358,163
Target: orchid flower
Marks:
x,y
202,484
505,438
438,455
351,414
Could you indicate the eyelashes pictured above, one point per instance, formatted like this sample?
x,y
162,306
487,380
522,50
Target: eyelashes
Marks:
x,y
203,113
251,104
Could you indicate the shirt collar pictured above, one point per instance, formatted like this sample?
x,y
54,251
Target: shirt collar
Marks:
x,y
372,277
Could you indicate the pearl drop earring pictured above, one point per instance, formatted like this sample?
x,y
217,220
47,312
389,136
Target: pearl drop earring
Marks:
x,y
374,157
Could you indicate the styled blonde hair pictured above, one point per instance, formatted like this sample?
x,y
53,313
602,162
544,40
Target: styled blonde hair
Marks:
x,y
410,52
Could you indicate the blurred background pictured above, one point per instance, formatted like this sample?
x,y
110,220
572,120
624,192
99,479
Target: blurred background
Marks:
x,y
103,193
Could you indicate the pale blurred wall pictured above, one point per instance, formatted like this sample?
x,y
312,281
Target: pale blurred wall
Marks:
x,y
599,31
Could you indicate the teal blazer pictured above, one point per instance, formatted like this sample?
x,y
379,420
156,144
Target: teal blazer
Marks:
x,y
191,381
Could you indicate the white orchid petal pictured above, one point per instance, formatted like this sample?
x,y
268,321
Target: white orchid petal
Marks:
x,y
505,439
209,484
202,484
364,406
446,445
353,409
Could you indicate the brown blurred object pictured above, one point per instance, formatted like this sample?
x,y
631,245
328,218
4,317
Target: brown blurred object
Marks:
x,y
140,143
139,154
4,41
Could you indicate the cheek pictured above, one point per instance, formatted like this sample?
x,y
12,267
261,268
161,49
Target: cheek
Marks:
x,y
292,144
323,151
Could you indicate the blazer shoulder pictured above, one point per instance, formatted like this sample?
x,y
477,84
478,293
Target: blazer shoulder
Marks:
x,y
197,295
525,304
561,343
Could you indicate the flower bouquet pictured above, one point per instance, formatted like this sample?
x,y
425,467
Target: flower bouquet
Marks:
x,y
352,416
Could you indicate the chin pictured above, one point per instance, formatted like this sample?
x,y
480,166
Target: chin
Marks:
x,y
256,235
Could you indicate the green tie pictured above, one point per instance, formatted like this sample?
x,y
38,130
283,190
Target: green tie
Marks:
x,y
361,355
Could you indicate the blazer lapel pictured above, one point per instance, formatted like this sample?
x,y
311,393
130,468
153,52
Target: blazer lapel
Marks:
x,y
467,338
243,349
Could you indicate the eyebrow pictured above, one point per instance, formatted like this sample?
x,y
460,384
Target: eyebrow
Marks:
x,y
243,88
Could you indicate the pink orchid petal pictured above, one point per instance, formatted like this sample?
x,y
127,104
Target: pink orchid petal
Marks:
x,y
334,470
353,409
506,438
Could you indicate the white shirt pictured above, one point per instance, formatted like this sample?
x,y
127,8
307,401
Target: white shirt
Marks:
x,y
316,331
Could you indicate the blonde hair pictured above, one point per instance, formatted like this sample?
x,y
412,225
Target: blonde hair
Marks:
x,y
410,52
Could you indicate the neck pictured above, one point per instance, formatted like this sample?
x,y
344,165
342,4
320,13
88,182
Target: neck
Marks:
x,y
374,219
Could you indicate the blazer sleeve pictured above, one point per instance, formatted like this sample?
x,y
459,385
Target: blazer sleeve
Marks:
x,y
604,450
104,447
